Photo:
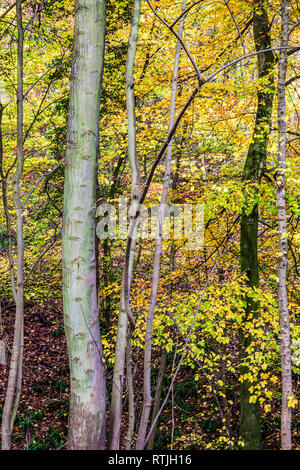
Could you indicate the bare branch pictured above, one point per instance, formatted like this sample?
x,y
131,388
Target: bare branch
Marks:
x,y
43,75
291,80
292,49
236,25
292,140
179,38
56,237
185,12
39,180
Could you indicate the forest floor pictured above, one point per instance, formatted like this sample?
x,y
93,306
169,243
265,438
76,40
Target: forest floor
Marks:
x,y
42,417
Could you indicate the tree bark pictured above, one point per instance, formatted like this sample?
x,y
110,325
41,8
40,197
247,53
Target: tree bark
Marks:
x,y
6,210
87,373
13,391
253,170
157,397
119,364
147,402
163,359
286,369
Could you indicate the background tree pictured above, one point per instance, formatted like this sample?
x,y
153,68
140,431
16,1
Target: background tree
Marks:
x,y
14,385
253,172
285,347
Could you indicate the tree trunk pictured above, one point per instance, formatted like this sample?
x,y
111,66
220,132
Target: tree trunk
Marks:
x,y
87,374
253,169
6,210
147,402
119,364
13,392
286,370
157,397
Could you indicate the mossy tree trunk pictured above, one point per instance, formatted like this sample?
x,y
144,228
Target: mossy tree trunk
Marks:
x,y
253,170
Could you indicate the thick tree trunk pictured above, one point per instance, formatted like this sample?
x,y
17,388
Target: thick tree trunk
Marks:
x,y
286,370
254,167
87,374
119,364
13,391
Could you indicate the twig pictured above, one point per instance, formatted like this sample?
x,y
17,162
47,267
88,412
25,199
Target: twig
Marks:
x,y
39,180
236,25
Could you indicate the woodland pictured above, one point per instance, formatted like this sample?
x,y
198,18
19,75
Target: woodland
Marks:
x,y
115,336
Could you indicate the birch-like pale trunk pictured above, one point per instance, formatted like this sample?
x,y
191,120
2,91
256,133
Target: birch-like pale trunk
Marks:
x,y
6,210
157,397
147,401
87,374
13,391
285,352
163,359
120,349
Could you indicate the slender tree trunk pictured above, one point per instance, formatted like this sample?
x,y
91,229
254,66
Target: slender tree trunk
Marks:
x,y
87,373
286,370
13,392
147,402
119,364
254,167
157,397
130,389
163,359
6,211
